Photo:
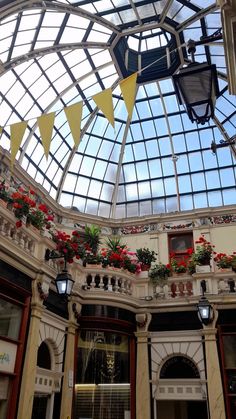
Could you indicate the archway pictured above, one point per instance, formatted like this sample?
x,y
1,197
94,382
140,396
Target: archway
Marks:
x,y
180,393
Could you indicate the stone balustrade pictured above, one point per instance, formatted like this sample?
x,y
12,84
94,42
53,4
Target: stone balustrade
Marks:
x,y
21,237
27,240
109,280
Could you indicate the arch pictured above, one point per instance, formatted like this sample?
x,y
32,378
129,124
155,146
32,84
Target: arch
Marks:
x,y
44,356
177,367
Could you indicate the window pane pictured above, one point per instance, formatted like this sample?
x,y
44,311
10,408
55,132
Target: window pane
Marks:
x,y
10,319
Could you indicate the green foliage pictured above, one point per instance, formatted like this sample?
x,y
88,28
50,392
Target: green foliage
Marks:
x,y
159,272
146,256
191,267
114,244
203,252
92,237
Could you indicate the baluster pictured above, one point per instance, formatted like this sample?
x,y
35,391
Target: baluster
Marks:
x,y
93,284
14,235
122,285
222,285
116,285
26,243
2,225
31,246
189,288
181,289
99,279
7,229
166,291
21,239
173,290
109,284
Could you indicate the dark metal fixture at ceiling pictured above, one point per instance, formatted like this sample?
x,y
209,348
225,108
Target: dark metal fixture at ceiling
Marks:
x,y
197,87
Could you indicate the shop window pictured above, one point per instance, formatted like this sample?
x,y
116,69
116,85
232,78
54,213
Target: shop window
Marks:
x,y
228,360
10,319
103,380
44,357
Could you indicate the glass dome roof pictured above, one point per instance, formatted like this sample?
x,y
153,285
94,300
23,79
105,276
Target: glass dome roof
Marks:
x,y
54,54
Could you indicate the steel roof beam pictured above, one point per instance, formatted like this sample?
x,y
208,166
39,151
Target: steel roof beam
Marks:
x,y
20,6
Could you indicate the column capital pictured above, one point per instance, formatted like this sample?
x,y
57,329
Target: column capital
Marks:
x,y
209,331
225,4
143,320
142,336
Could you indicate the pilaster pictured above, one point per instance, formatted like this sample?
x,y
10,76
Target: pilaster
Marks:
x,y
214,382
30,364
143,397
68,379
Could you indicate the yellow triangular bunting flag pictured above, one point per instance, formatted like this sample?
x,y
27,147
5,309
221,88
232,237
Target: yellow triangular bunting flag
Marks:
x,y
128,89
104,102
0,131
17,133
45,123
74,116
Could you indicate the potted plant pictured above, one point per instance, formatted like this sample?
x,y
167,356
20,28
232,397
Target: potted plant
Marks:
x,y
191,266
233,262
178,266
203,253
4,192
65,246
223,261
145,256
22,201
40,217
159,273
92,237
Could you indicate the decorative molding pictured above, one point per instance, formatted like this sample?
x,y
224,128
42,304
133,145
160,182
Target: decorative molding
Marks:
x,y
223,219
173,226
135,229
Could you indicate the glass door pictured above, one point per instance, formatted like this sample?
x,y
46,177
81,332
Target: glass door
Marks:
x,y
102,389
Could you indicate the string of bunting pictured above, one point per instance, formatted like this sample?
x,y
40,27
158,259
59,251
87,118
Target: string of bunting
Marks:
x,y
73,114
103,101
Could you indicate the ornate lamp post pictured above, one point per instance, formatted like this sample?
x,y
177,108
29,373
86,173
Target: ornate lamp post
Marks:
x,y
64,282
205,310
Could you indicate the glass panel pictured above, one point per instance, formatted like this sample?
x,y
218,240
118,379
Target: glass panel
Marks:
x,y
229,351
10,319
4,389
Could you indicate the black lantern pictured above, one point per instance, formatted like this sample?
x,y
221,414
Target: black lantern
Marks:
x,y
64,283
205,311
197,88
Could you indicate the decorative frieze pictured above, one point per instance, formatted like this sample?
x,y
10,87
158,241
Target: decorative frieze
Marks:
x,y
223,219
174,226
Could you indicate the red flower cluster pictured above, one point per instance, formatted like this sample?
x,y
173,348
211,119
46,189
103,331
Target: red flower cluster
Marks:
x,y
223,261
